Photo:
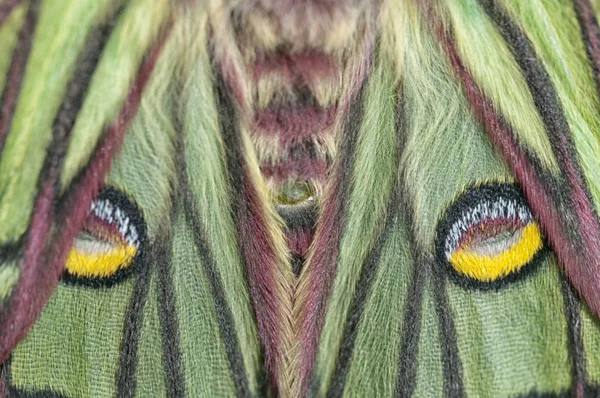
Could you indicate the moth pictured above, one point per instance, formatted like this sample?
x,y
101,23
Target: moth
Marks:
x,y
285,198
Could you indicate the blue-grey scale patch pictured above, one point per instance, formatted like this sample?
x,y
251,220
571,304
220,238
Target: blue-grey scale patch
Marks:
x,y
501,207
107,211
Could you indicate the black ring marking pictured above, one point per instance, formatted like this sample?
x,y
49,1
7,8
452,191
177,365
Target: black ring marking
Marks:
x,y
121,201
455,213
126,376
450,355
574,338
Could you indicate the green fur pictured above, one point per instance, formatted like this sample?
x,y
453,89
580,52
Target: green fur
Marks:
x,y
9,32
53,55
498,76
74,346
447,151
83,315
136,30
9,275
205,163
430,377
150,378
502,352
590,324
373,371
369,195
151,142
560,48
198,326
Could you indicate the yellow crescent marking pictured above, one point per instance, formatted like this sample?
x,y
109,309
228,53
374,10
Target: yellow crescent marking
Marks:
x,y
489,268
100,264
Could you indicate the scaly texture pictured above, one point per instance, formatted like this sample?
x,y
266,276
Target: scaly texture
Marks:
x,y
392,131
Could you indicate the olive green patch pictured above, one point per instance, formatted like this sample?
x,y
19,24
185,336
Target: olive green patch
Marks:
x,y
74,345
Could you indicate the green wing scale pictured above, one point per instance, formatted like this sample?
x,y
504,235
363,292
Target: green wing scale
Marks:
x,y
321,198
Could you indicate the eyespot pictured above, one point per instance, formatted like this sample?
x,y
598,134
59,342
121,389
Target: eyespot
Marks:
x,y
294,192
110,244
488,235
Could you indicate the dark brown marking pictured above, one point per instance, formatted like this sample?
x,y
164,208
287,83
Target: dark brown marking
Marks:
x,y
574,341
167,311
452,364
291,124
299,165
125,379
411,327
